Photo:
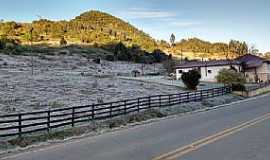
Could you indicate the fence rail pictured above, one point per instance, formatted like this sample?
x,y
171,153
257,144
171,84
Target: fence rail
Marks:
x,y
257,86
23,123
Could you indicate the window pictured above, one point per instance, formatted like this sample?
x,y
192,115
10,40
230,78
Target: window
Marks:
x,y
180,71
209,71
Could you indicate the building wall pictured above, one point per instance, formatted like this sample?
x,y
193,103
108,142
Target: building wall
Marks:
x,y
178,74
208,73
263,73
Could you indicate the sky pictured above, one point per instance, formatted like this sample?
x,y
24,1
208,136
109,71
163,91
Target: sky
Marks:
x,y
211,20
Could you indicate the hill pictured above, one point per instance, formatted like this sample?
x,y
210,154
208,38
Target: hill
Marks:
x,y
102,30
93,28
197,48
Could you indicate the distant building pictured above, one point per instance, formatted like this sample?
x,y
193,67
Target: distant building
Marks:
x,y
255,68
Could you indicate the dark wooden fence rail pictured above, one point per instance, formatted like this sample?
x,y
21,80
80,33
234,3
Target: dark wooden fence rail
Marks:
x,y
257,86
29,122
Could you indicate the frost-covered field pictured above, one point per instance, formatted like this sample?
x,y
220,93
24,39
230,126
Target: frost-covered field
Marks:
x,y
166,81
60,81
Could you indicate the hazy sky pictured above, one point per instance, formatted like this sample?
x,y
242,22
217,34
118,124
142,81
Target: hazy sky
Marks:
x,y
213,20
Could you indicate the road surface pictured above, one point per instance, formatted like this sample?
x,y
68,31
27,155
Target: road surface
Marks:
x,y
237,132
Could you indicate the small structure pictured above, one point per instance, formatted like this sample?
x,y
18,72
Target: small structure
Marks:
x,y
255,68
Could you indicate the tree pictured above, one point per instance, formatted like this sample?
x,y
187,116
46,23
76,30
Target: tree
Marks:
x,y
172,40
2,45
191,79
159,55
238,48
169,64
253,50
2,42
121,52
267,55
230,77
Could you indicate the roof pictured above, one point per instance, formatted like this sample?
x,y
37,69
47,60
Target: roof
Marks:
x,y
251,61
248,61
193,64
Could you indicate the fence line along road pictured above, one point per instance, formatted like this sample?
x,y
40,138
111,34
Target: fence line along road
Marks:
x,y
257,86
46,120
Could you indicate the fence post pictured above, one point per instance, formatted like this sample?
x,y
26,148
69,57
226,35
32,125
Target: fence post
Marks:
x,y
20,125
187,96
93,112
169,99
125,107
179,98
48,120
149,102
222,91
138,105
159,98
201,92
111,110
73,116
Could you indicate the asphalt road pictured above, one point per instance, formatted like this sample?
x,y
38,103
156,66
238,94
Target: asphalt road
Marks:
x,y
236,132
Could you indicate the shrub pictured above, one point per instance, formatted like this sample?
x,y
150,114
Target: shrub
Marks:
x,y
230,77
63,42
109,57
10,46
159,56
2,44
121,51
238,87
191,79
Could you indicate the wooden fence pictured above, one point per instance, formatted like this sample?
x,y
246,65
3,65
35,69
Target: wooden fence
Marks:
x,y
46,120
257,86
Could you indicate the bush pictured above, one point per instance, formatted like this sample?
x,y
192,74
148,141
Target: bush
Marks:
x,y
109,57
230,77
191,79
159,56
121,52
2,44
238,87
63,42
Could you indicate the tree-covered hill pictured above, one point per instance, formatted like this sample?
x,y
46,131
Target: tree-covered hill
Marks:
x,y
197,48
102,30
93,27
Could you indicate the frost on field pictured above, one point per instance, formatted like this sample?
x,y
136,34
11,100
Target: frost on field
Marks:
x,y
60,81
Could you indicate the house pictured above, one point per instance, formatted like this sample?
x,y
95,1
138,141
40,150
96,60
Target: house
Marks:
x,y
255,68
208,69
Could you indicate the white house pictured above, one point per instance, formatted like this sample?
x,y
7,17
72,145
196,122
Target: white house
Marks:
x,y
208,69
255,68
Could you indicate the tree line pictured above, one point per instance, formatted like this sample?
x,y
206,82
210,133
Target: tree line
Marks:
x,y
90,28
99,29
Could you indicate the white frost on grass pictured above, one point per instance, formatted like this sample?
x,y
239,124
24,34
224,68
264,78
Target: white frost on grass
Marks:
x,y
61,81
166,81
